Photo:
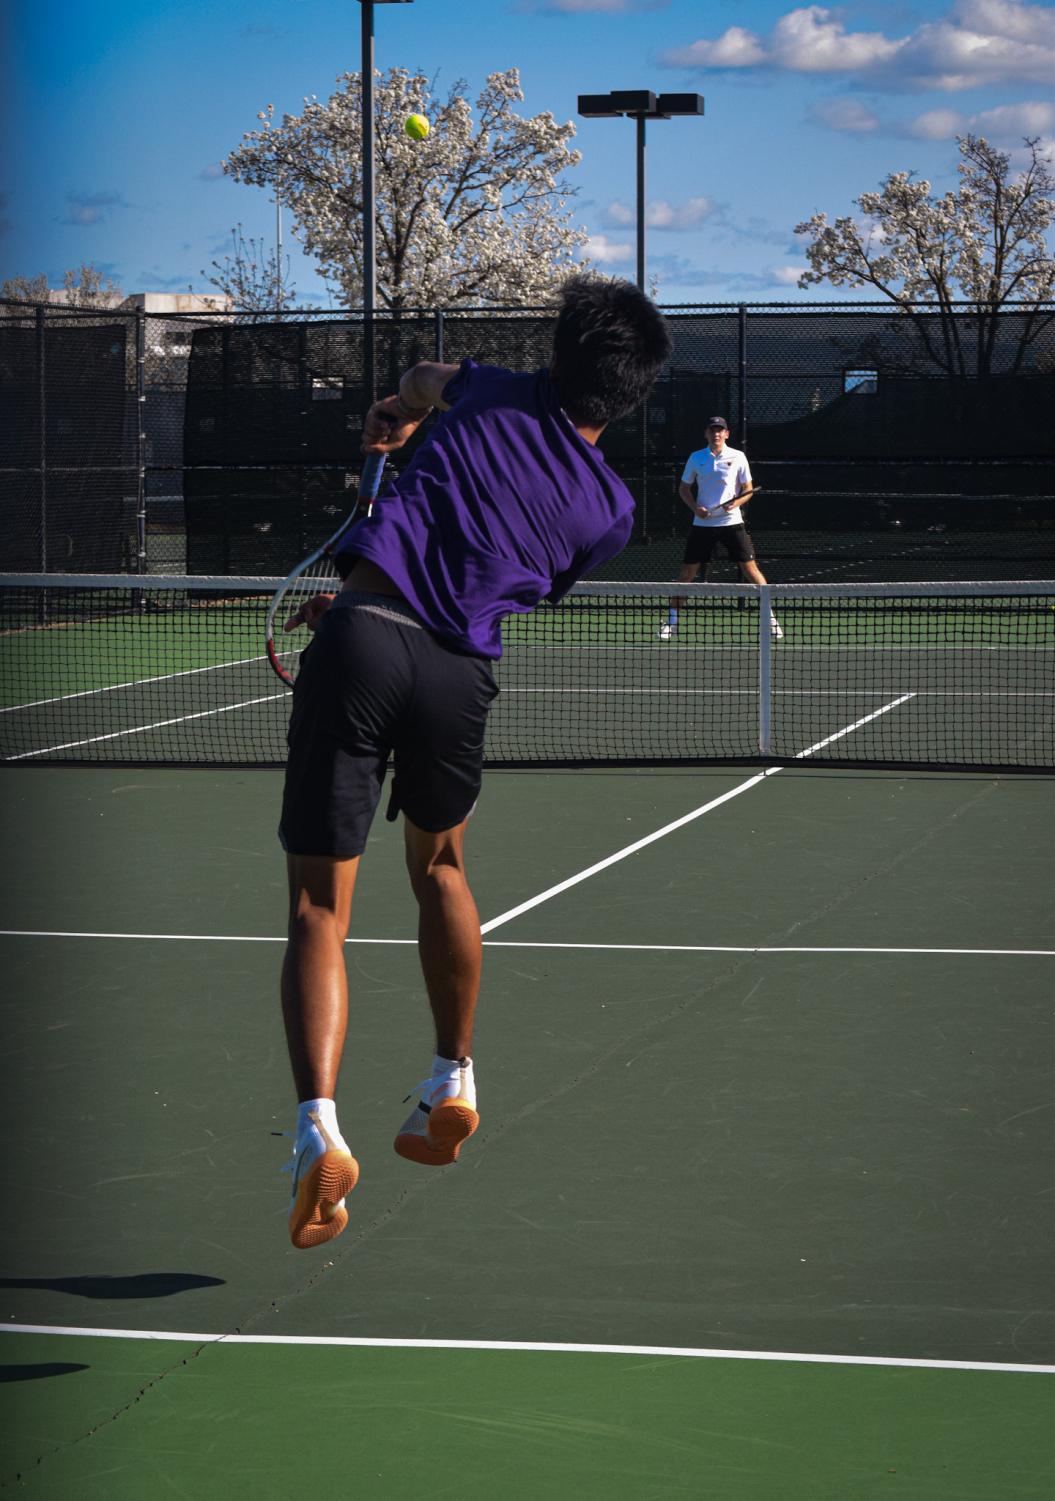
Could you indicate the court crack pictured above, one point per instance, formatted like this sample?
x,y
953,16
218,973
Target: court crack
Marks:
x,y
22,1477
852,890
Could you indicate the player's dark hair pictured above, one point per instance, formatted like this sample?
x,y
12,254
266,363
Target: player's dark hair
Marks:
x,y
610,344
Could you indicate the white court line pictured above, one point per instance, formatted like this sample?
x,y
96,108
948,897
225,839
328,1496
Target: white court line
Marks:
x,y
509,943
679,823
164,677
656,692
685,1352
142,729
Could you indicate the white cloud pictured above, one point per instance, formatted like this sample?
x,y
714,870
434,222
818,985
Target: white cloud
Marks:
x,y
809,41
91,208
606,252
608,7
848,115
787,276
937,125
1006,125
984,41
1010,122
975,42
803,41
735,48
661,215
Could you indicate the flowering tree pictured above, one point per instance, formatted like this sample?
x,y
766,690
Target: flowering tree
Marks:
x,y
985,243
86,287
474,214
254,279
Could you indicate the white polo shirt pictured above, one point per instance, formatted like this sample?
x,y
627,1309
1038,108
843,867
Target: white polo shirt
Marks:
x,y
718,479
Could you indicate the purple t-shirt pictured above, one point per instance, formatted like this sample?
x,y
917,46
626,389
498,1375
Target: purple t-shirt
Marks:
x,y
503,505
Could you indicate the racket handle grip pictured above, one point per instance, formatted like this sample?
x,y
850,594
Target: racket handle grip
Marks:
x,y
370,479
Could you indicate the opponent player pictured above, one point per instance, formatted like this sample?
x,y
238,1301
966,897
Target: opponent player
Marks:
x,y
715,484
506,503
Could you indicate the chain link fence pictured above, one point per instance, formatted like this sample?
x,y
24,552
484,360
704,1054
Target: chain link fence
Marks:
x,y
214,443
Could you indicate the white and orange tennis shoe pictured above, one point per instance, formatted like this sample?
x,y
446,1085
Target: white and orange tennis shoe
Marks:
x,y
444,1117
324,1172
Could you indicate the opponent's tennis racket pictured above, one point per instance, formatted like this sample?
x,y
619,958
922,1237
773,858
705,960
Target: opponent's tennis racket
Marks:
x,y
754,490
316,574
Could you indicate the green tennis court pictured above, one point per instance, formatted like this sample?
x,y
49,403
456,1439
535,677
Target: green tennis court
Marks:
x,y
759,1206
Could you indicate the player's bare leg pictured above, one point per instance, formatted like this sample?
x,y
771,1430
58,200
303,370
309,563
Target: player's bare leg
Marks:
x,y
315,1012
688,575
754,575
449,942
451,952
314,980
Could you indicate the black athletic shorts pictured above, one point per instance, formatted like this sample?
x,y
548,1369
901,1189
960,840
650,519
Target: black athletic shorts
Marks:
x,y
702,541
376,683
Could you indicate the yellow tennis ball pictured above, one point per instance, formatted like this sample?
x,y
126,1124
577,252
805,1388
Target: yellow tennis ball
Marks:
x,y
416,127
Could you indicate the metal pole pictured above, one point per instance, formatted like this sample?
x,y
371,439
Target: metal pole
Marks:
x,y
369,261
439,336
742,361
141,442
640,119
278,248
42,451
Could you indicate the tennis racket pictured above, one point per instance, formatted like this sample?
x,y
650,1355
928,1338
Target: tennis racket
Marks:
x,y
316,574
726,505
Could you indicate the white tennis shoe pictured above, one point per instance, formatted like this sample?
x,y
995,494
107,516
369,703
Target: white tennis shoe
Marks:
x,y
665,632
444,1116
324,1171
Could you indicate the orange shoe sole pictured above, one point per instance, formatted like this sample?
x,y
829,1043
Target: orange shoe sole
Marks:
x,y
450,1123
318,1214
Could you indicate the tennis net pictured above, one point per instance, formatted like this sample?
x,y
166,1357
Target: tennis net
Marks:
x,y
171,670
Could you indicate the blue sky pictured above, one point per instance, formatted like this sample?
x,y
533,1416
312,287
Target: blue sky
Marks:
x,y
120,114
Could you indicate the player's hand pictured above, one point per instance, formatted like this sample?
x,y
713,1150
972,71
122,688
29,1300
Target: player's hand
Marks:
x,y
310,612
386,426
702,512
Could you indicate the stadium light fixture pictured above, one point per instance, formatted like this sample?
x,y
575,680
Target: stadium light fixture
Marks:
x,y
366,78
639,105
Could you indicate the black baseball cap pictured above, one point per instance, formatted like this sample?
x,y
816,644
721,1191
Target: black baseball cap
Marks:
x,y
717,422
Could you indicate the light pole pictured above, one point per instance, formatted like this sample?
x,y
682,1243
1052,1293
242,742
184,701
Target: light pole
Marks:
x,y
639,105
369,209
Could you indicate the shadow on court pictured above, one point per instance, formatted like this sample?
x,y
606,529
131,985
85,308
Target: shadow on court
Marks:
x,y
42,1372
146,1285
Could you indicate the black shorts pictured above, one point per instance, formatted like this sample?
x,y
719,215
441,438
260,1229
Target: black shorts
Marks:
x,y
375,683
702,541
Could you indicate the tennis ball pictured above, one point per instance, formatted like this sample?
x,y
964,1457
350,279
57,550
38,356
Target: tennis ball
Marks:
x,y
416,127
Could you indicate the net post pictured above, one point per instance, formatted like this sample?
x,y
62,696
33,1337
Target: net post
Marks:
x,y
765,673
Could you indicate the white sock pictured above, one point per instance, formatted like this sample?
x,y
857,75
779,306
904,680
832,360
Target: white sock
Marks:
x,y
452,1078
321,1116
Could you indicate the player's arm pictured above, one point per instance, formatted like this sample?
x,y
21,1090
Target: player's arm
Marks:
x,y
687,494
391,421
740,498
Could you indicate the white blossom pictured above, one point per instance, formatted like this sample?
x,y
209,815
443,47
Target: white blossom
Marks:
x,y
986,243
473,214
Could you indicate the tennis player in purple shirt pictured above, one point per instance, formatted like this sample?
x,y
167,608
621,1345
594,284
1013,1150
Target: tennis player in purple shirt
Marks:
x,y
507,502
